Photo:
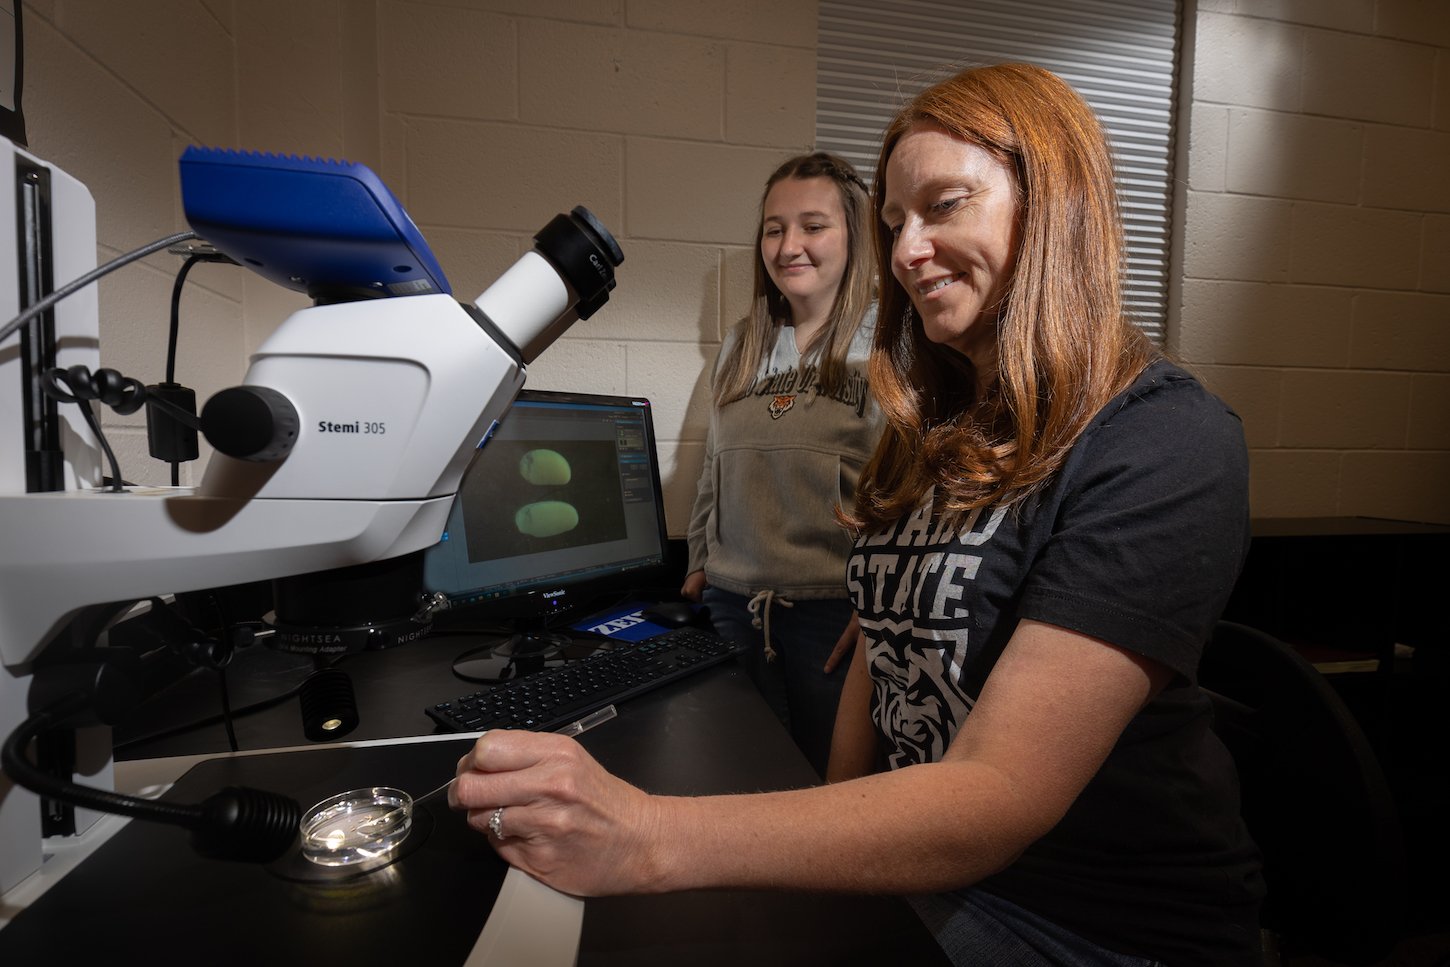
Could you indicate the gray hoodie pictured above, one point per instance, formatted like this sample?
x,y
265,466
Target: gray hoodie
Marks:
x,y
776,462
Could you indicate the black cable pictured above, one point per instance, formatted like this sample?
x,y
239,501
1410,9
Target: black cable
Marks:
x,y
176,288
255,707
71,288
221,677
95,426
221,672
173,411
261,706
176,315
79,385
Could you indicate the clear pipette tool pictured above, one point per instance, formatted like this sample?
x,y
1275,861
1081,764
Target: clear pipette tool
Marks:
x,y
573,730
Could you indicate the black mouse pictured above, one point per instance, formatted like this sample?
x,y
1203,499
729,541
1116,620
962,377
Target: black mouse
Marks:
x,y
673,614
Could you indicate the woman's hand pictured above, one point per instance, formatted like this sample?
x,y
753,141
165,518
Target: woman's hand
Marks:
x,y
844,646
694,586
566,821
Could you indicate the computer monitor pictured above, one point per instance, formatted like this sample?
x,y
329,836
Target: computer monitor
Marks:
x,y
561,504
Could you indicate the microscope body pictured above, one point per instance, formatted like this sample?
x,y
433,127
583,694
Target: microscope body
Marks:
x,y
391,397
419,369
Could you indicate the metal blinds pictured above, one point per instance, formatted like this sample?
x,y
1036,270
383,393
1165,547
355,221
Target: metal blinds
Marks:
x,y
1119,54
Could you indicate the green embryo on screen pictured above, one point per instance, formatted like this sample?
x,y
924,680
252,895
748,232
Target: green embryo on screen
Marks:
x,y
547,468
545,518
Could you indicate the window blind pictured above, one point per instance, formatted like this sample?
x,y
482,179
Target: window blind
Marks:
x,y
1119,54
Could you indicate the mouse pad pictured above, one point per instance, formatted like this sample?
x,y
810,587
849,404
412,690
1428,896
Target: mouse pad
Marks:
x,y
625,623
144,896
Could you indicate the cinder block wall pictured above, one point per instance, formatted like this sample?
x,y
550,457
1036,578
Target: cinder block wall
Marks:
x,y
486,117
115,91
664,117
1316,290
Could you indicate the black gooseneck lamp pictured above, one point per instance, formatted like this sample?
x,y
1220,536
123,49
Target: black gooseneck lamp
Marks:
x,y
100,686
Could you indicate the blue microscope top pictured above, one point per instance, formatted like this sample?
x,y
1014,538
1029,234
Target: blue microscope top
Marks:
x,y
329,228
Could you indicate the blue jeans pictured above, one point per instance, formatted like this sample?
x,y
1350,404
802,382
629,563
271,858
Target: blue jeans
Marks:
x,y
974,927
802,696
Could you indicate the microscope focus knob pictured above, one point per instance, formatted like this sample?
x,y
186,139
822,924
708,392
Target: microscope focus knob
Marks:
x,y
254,423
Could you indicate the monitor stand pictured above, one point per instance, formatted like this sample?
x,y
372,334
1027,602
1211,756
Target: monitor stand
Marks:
x,y
528,650
532,639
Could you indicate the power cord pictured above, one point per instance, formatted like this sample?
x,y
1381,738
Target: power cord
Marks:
x,y
261,706
211,647
121,393
161,395
221,668
221,680
181,275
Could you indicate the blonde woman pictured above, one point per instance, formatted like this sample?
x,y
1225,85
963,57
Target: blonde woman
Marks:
x,y
792,425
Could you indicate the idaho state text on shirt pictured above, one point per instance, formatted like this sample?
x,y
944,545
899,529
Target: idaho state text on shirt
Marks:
x,y
913,588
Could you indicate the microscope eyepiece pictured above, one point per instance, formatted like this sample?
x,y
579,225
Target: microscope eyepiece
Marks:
x,y
585,253
567,277
605,239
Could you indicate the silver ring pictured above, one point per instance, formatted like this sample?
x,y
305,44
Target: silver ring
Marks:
x,y
495,823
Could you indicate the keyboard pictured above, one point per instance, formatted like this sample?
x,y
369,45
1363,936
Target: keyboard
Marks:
x,y
557,696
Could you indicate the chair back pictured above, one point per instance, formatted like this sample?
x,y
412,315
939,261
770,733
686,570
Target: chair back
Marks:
x,y
1313,797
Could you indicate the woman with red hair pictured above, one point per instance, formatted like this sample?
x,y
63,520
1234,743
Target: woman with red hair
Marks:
x,y
1045,538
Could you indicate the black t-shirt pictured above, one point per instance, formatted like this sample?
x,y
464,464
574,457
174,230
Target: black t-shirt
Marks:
x,y
1137,541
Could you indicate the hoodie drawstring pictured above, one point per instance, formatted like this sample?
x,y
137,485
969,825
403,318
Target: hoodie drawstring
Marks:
x,y
754,607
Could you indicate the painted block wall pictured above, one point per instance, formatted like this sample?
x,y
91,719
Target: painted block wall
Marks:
x,y
115,91
664,117
1316,269
486,117
1316,264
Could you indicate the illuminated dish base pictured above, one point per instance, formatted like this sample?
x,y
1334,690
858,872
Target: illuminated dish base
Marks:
x,y
357,827
298,867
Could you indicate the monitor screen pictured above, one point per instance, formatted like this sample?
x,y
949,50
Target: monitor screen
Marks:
x,y
561,502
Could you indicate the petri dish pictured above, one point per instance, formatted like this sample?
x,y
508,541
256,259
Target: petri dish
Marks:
x,y
358,826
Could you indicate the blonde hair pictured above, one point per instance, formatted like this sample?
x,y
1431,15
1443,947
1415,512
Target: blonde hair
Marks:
x,y
1064,346
769,308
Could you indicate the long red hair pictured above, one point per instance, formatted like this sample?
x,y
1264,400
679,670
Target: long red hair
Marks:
x,y
1064,346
